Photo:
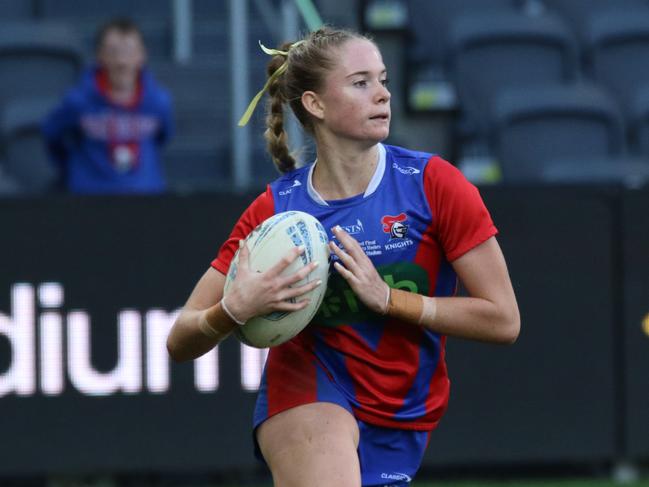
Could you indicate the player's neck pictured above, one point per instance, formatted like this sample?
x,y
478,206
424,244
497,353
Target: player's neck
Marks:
x,y
342,174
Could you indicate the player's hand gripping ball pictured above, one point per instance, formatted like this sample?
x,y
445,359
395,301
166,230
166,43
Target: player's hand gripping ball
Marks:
x,y
267,244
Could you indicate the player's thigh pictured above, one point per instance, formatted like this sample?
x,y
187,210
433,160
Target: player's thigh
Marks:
x,y
312,444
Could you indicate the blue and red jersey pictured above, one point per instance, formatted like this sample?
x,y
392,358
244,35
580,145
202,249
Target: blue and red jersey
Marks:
x,y
418,215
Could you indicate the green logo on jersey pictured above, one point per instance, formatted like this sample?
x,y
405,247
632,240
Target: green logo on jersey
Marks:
x,y
341,305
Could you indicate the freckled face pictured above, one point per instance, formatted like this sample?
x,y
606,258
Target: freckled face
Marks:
x,y
355,99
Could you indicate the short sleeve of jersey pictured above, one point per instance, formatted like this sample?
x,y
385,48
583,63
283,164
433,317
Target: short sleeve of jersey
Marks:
x,y
461,220
258,211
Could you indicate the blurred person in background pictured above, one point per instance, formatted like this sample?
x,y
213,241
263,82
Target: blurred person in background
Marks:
x,y
352,399
106,134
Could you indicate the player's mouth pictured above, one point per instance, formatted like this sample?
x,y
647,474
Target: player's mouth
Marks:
x,y
382,117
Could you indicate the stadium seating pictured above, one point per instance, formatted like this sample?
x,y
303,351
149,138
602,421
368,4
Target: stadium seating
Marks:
x,y
532,126
24,158
429,21
429,86
613,36
629,171
37,59
198,155
38,62
17,10
70,9
579,12
86,18
490,53
638,120
616,48
195,155
480,50
507,49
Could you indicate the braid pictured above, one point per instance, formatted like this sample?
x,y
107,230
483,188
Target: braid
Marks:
x,y
275,134
304,66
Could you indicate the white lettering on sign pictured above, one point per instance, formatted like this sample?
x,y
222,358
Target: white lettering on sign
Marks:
x,y
63,349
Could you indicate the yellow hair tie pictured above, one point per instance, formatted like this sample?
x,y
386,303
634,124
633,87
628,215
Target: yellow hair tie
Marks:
x,y
271,52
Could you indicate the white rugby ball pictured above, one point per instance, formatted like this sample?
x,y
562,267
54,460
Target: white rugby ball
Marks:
x,y
268,243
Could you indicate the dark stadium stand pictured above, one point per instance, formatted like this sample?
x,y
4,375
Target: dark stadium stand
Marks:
x,y
616,43
430,21
510,50
488,48
639,122
531,126
23,155
39,60
474,50
32,52
198,157
629,171
490,53
17,10
79,9
579,12
195,155
86,18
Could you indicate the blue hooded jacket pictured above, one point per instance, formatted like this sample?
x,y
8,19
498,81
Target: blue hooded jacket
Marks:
x,y
103,147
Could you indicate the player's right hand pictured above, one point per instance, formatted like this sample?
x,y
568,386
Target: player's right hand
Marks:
x,y
258,293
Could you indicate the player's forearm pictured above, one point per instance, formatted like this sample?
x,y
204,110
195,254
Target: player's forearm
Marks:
x,y
196,332
463,317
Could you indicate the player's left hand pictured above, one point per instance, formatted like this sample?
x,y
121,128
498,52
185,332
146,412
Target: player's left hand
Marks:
x,y
359,272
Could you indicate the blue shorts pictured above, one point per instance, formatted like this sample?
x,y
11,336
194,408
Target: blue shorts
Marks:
x,y
389,457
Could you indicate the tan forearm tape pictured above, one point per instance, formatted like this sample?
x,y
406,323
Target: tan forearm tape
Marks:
x,y
410,307
216,323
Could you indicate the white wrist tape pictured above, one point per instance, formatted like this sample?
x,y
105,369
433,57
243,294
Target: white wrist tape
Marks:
x,y
229,313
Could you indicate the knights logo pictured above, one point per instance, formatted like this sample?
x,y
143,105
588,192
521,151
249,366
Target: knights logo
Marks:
x,y
395,226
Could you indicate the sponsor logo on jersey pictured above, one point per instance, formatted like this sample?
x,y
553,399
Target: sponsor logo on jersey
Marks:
x,y
395,226
401,477
407,170
341,306
355,228
296,183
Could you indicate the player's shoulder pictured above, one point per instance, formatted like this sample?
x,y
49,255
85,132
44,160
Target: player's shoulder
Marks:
x,y
413,162
291,179
433,169
408,160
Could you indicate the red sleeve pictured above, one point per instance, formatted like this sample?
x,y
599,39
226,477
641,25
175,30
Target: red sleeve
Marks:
x,y
259,210
460,219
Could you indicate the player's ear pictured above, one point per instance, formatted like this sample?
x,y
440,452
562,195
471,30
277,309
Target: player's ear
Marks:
x,y
313,104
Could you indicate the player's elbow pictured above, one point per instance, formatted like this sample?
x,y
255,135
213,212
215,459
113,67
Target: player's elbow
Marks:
x,y
175,351
172,350
511,327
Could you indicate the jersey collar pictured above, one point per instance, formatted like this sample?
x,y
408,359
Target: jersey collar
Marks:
x,y
371,187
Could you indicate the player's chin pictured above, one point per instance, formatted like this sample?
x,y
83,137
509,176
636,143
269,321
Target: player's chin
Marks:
x,y
379,134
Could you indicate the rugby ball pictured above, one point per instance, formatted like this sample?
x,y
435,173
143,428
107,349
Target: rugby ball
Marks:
x,y
267,244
